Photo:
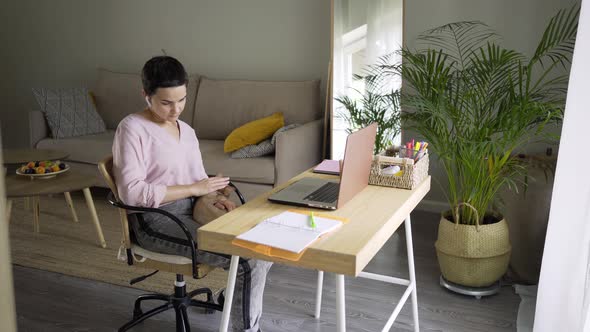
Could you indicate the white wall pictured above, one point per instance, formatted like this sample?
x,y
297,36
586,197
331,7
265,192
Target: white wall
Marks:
x,y
520,23
60,43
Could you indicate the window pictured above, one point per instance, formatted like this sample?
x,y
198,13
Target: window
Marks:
x,y
364,31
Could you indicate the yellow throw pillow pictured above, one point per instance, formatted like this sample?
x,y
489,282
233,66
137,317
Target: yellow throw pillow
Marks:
x,y
253,132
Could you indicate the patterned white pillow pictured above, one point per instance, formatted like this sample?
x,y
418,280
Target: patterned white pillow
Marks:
x,y
255,150
69,112
263,148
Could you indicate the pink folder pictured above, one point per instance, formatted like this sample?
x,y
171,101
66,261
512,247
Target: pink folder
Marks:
x,y
328,167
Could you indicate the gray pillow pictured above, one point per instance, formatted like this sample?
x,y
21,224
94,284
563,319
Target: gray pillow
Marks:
x,y
69,112
263,148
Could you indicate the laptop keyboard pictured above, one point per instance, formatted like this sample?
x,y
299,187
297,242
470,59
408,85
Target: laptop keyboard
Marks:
x,y
327,193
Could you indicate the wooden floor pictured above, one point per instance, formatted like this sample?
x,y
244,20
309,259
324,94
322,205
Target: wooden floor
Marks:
x,y
53,302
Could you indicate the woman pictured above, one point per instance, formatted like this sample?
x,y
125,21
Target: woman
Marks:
x,y
157,163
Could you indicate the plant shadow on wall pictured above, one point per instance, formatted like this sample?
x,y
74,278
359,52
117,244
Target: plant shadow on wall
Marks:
x,y
478,104
379,103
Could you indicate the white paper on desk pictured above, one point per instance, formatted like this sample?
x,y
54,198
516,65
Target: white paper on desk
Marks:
x,y
289,231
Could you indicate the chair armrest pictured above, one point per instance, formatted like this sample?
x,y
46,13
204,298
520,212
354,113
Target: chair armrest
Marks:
x,y
238,192
38,129
114,201
297,150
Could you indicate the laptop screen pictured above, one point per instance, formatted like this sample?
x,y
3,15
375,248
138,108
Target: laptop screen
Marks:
x,y
356,166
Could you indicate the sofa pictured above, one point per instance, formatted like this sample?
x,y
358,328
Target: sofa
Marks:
x,y
214,108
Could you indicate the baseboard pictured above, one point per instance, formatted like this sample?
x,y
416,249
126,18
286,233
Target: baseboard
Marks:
x,y
432,206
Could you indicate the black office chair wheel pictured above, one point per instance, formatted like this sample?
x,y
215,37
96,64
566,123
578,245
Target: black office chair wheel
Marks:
x,y
210,300
210,311
221,298
220,301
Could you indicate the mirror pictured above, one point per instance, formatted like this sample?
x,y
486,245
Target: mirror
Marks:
x,y
363,31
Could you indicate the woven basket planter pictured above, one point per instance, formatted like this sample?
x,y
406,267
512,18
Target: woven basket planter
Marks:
x,y
472,255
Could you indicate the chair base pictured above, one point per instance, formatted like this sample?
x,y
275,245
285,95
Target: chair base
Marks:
x,y
179,301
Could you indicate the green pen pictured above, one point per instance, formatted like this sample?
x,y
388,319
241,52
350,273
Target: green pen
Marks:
x,y
312,221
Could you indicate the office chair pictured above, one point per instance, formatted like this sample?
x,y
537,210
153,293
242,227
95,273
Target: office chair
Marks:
x,y
180,265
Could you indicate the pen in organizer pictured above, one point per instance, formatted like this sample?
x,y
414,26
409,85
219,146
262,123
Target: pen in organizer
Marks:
x,y
415,151
421,150
312,221
410,150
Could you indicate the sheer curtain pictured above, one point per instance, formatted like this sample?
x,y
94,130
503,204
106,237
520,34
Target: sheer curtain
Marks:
x,y
340,70
384,28
564,286
378,34
339,82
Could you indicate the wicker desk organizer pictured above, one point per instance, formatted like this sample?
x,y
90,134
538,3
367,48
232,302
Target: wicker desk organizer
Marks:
x,y
413,172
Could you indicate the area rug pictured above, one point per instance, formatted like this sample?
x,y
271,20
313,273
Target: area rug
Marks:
x,y
71,248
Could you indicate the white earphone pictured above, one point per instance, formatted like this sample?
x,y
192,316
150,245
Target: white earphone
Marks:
x,y
147,100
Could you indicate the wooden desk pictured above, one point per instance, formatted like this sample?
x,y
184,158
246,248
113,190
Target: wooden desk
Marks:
x,y
374,215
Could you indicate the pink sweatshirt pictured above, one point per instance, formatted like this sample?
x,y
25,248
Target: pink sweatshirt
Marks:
x,y
147,159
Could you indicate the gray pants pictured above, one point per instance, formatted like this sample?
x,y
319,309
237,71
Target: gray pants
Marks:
x,y
156,232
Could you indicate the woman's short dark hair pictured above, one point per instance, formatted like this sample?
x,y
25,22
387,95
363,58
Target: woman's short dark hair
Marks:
x,y
162,72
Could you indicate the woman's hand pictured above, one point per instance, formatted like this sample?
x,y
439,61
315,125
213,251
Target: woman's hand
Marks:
x,y
226,191
223,203
209,185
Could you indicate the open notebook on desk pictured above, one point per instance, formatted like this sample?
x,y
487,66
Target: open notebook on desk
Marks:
x,y
291,230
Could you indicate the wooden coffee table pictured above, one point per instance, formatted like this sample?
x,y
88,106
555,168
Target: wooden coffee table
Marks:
x,y
23,186
14,158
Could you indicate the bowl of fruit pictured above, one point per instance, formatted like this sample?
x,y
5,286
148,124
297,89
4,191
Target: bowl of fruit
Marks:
x,y
46,169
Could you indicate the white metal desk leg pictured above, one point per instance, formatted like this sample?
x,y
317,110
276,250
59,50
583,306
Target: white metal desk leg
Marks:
x,y
410,249
229,293
318,294
340,304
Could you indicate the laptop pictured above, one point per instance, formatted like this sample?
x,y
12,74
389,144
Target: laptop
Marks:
x,y
332,194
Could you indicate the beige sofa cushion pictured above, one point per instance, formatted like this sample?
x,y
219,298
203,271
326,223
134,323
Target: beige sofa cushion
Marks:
x,y
224,105
253,170
119,94
87,149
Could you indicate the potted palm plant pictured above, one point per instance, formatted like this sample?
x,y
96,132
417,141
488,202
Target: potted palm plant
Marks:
x,y
477,104
379,102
